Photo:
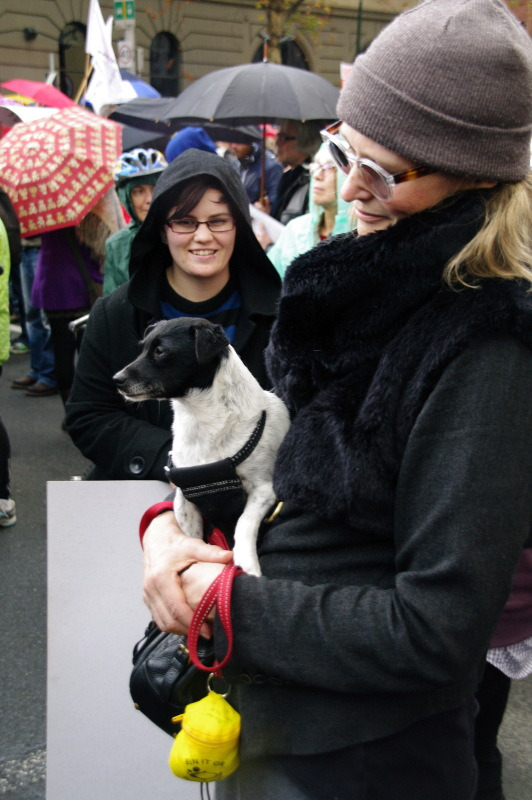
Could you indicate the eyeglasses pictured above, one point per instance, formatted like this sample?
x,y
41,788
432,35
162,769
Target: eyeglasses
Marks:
x,y
282,137
316,169
217,225
376,179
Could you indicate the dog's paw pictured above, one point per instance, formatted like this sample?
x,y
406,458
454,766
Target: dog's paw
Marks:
x,y
247,561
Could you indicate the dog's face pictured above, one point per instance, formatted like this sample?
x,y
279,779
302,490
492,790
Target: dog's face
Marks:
x,y
177,355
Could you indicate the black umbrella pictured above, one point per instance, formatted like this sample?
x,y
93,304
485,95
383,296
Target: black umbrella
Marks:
x,y
137,137
153,114
254,94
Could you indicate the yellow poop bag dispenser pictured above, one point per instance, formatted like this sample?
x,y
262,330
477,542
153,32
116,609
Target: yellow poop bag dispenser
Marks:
x,y
206,747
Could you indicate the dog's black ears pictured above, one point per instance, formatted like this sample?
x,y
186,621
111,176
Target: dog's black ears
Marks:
x,y
210,340
147,331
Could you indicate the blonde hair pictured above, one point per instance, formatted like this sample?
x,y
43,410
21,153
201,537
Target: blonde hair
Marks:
x,y
502,248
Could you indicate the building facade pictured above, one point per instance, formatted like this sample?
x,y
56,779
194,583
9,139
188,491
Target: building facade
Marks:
x,y
171,43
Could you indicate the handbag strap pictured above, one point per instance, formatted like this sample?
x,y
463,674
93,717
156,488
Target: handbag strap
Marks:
x,y
219,594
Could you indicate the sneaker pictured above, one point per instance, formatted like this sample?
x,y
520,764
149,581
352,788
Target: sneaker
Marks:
x,y
19,349
8,513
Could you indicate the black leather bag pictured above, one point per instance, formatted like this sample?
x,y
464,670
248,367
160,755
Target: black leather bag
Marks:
x,y
164,680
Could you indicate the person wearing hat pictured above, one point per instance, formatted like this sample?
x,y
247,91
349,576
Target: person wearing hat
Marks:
x,y
136,174
404,353
190,137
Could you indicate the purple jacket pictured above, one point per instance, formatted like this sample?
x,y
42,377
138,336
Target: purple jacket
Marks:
x,y
58,283
515,622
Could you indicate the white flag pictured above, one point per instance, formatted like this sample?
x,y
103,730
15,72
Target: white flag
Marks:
x,y
105,85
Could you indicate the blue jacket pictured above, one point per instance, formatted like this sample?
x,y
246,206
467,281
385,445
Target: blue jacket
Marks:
x,y
251,174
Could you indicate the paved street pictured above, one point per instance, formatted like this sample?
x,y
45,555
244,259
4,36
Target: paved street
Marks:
x,y
41,451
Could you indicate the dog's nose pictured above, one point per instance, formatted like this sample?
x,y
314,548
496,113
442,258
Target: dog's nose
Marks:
x,y
119,378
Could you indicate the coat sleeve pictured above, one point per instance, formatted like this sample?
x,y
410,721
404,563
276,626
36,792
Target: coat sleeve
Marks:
x,y
125,441
462,513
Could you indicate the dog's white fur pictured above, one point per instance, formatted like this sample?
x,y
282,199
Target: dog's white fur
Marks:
x,y
214,423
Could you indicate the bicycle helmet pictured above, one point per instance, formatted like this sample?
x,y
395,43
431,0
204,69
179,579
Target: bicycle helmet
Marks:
x,y
137,163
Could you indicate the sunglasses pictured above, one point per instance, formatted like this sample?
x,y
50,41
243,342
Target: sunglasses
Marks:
x,y
282,137
376,179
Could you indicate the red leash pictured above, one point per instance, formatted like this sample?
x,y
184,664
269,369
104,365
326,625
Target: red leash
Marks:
x,y
219,594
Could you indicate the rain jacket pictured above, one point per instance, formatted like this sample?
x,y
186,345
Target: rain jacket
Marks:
x,y
118,246
251,171
302,233
131,440
5,264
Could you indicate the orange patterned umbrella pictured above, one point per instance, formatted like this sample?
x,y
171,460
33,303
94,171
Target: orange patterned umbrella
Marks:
x,y
56,169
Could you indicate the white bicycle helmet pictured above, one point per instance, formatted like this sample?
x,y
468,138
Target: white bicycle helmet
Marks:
x,y
138,162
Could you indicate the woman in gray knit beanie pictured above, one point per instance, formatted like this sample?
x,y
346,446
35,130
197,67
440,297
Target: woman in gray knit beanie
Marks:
x,y
404,354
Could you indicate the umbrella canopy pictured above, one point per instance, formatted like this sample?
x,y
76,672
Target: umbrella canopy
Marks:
x,y
14,113
139,87
255,93
42,93
56,169
154,114
137,137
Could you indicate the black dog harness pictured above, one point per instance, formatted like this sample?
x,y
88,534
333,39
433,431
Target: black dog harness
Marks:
x,y
216,488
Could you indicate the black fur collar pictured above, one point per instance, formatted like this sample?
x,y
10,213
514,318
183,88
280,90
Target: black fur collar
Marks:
x,y
365,329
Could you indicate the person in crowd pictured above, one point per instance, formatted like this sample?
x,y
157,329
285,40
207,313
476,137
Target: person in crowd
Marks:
x,y
195,255
328,215
69,277
509,658
8,215
8,512
136,174
249,165
190,137
404,354
297,143
39,380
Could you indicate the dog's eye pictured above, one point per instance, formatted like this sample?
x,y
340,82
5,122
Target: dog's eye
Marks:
x,y
159,351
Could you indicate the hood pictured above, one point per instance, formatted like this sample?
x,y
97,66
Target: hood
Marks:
x,y
341,221
147,248
124,191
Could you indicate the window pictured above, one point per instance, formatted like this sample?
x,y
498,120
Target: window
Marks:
x,y
165,64
71,57
292,54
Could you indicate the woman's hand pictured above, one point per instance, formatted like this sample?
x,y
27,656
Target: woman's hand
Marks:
x,y
167,553
196,580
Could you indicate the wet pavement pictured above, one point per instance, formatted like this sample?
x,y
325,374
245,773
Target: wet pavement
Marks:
x,y
41,451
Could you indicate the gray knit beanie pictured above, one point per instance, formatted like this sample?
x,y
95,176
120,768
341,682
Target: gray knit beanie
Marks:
x,y
448,84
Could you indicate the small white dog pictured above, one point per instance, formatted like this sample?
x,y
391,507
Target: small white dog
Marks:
x,y
221,415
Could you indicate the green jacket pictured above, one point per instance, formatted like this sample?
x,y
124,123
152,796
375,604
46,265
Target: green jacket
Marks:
x,y
302,233
5,266
118,246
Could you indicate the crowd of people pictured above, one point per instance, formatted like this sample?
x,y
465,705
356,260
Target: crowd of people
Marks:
x,y
393,315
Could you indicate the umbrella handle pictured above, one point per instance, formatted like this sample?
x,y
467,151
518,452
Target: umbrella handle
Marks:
x,y
263,163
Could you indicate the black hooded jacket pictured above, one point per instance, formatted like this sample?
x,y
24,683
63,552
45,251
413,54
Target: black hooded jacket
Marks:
x,y
131,440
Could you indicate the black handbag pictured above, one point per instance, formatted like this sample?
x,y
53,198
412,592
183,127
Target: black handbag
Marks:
x,y
164,680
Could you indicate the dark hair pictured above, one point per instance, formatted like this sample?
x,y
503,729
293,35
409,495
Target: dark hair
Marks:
x,y
190,192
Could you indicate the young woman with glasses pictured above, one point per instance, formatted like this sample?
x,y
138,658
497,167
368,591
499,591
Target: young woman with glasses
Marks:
x,y
404,353
195,255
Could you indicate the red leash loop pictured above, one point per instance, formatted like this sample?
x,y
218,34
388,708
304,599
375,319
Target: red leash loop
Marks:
x,y
219,594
